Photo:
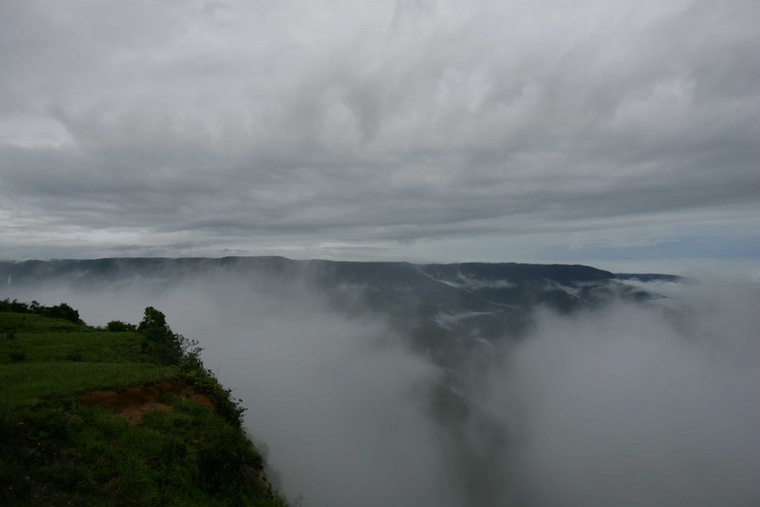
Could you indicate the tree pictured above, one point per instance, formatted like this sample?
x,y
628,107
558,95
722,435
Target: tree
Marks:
x,y
119,326
153,319
158,339
63,311
161,342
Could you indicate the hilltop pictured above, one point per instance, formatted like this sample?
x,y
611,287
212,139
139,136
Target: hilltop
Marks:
x,y
121,415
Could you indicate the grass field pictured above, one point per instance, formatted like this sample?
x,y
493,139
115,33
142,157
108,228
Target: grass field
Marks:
x,y
55,449
58,358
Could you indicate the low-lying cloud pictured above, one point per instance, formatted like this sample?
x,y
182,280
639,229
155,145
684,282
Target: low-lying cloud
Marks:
x,y
636,406
652,404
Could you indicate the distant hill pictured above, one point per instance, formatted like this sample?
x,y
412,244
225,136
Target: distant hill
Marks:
x,y
434,304
648,277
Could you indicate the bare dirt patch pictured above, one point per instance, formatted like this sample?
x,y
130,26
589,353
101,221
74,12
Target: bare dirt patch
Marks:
x,y
134,402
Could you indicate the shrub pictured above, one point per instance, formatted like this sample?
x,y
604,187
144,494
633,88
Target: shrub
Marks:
x,y
204,380
168,347
158,340
117,326
62,311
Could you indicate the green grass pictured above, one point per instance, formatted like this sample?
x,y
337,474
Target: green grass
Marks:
x,y
95,346
29,322
55,450
45,339
29,383
90,456
61,359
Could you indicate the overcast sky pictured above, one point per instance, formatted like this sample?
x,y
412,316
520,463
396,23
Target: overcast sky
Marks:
x,y
571,131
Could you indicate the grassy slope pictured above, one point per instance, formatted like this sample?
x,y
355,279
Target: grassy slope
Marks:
x,y
54,450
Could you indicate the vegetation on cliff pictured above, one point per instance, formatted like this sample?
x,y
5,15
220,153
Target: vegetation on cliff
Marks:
x,y
121,415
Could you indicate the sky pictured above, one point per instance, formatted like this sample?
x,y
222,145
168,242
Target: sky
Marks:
x,y
618,134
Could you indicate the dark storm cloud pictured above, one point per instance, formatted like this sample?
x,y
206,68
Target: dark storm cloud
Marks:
x,y
243,126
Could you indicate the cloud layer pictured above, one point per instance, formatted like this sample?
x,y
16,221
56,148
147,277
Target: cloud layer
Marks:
x,y
374,129
637,406
630,405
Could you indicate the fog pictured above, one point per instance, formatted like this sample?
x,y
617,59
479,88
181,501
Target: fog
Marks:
x,y
636,406
631,404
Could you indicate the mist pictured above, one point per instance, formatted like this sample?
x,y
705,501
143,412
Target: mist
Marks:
x,y
637,405
630,404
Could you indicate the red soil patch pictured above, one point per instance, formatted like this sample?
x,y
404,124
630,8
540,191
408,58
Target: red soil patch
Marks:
x,y
134,402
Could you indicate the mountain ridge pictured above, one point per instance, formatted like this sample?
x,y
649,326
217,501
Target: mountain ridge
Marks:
x,y
443,308
575,272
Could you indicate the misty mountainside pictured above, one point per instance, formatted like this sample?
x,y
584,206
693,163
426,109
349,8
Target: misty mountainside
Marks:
x,y
452,385
445,309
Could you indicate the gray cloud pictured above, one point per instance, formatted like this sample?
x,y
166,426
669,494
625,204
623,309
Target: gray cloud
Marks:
x,y
637,406
246,126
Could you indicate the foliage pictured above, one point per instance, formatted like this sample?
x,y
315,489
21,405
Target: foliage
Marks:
x,y
56,451
205,381
61,311
174,349
159,341
117,326
71,454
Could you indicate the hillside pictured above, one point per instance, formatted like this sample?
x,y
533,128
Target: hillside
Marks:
x,y
90,416
434,305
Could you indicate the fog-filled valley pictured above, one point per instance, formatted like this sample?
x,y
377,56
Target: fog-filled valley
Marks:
x,y
466,384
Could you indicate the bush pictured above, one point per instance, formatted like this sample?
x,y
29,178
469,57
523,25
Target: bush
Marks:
x,y
205,381
159,341
62,311
117,326
170,348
